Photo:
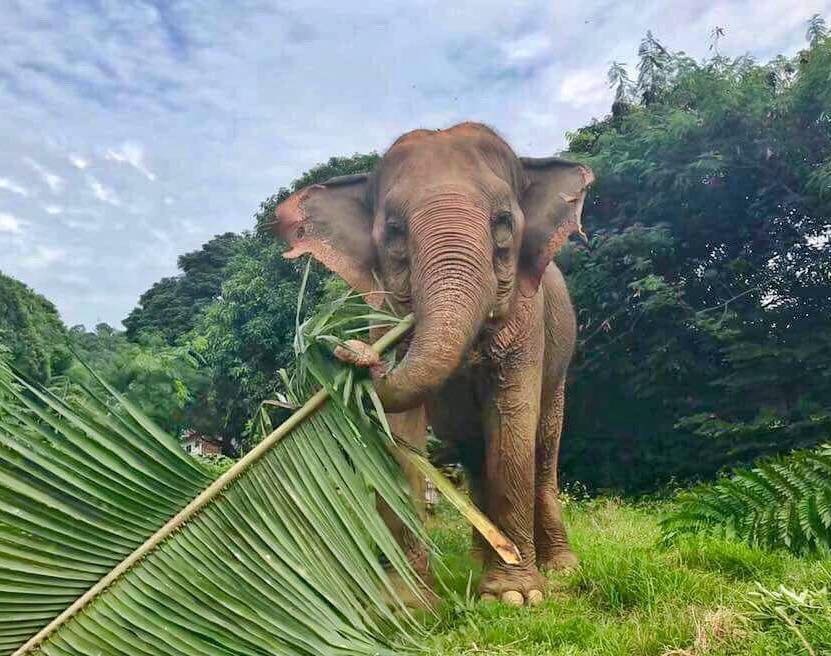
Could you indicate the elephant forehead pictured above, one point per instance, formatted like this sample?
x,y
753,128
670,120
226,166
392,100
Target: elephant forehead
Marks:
x,y
438,198
469,154
466,129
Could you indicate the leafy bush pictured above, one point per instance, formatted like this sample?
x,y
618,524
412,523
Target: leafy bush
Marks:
x,y
780,503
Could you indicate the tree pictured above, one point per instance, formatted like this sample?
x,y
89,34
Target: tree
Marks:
x,y
162,380
246,334
32,330
817,30
703,305
170,307
652,68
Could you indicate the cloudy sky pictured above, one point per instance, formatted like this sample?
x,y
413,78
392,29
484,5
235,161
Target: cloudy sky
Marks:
x,y
133,131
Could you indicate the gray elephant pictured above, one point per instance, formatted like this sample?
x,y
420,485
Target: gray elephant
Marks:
x,y
456,228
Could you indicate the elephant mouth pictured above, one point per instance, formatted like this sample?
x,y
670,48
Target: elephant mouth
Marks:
x,y
497,316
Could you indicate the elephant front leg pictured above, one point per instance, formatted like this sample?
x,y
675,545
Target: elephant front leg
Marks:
x,y
508,487
410,426
553,550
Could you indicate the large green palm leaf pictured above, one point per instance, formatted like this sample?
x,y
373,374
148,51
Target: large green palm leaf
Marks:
x,y
278,556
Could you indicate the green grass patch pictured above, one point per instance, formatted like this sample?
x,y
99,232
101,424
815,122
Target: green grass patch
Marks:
x,y
633,595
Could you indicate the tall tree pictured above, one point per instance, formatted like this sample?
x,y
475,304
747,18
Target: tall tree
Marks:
x,y
163,380
32,330
703,305
246,334
170,307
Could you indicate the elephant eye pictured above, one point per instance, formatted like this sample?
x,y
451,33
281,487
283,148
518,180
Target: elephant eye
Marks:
x,y
503,230
395,227
396,239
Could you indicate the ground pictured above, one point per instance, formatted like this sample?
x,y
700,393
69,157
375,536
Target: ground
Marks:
x,y
633,596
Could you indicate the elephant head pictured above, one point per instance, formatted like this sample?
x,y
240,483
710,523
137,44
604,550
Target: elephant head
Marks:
x,y
451,225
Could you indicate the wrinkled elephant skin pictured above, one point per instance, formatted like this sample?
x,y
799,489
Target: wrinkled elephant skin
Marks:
x,y
454,227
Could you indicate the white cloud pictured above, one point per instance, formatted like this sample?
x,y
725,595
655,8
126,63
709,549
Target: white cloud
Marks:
x,y
102,192
170,93
73,279
41,257
13,187
78,162
85,226
528,47
131,153
52,180
191,227
10,224
53,209
160,235
584,87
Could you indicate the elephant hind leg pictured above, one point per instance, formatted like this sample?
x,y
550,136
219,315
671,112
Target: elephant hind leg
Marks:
x,y
552,546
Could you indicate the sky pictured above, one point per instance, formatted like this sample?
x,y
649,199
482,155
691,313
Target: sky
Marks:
x,y
133,131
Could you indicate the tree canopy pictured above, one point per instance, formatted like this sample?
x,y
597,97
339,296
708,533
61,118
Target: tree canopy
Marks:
x,y
171,306
704,303
32,330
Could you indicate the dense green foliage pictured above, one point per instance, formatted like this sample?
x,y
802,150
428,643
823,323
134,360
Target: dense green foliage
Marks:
x,y
163,381
281,558
704,303
782,503
32,330
246,335
170,307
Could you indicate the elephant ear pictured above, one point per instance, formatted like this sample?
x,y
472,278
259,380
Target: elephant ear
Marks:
x,y
552,202
333,223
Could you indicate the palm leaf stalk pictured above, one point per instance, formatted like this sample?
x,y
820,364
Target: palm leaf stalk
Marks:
x,y
277,555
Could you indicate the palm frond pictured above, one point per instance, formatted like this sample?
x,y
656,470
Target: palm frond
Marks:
x,y
779,503
116,542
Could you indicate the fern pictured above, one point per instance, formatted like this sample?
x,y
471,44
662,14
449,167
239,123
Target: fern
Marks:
x,y
779,503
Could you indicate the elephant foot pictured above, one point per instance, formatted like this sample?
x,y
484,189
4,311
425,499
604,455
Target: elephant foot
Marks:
x,y
514,586
563,560
426,599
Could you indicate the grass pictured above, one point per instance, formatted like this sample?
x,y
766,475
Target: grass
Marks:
x,y
634,596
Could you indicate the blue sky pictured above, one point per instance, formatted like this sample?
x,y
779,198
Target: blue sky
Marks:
x,y
133,131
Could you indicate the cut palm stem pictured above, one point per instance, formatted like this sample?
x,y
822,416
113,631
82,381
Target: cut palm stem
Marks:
x,y
506,549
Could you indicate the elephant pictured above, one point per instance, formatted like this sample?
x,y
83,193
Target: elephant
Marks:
x,y
453,226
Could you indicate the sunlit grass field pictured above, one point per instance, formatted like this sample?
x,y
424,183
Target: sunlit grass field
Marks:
x,y
634,596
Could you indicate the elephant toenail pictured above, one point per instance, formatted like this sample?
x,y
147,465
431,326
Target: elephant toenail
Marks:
x,y
487,596
535,597
513,598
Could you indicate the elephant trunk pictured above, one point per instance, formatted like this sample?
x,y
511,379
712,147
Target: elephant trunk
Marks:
x,y
453,287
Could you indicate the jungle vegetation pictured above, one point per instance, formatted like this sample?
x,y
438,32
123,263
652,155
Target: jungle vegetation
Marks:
x,y
703,298
705,348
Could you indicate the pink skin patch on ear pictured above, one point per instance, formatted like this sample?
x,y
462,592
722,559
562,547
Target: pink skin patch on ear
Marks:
x,y
293,225
289,217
